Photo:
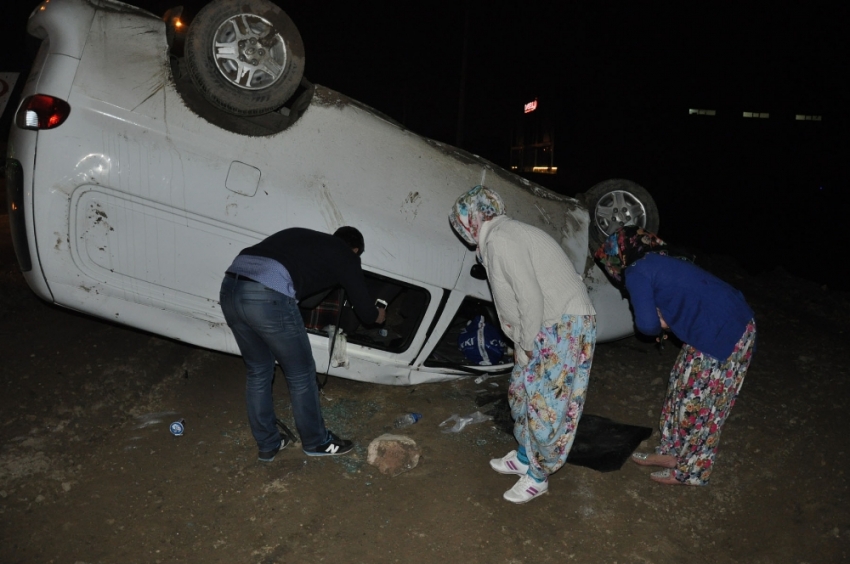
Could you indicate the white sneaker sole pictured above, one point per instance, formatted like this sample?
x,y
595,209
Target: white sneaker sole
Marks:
x,y
524,499
336,453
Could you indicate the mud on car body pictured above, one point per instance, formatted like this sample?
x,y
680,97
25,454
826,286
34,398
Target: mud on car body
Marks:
x,y
136,175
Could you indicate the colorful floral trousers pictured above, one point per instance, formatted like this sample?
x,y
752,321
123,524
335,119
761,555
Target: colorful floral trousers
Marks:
x,y
547,395
700,394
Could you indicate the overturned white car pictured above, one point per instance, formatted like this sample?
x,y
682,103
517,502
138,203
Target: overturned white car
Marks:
x,y
136,175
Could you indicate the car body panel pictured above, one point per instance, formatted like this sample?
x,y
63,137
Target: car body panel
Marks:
x,y
139,204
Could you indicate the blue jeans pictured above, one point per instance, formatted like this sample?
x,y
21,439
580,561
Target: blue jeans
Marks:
x,y
268,326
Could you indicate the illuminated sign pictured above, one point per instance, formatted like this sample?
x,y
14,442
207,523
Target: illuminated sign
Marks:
x,y
531,106
545,169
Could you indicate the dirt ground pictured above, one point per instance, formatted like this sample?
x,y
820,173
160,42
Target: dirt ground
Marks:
x,y
89,472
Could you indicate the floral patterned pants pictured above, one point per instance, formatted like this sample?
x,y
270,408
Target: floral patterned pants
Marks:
x,y
547,395
700,394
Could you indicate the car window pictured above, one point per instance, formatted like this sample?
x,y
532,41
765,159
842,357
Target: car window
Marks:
x,y
406,306
473,338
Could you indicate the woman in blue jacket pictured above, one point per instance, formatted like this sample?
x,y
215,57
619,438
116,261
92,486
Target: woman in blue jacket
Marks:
x,y
717,328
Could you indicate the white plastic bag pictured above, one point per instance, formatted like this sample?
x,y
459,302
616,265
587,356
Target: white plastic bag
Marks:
x,y
340,346
461,422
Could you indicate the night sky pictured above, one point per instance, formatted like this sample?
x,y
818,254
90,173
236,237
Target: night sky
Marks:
x,y
622,76
405,58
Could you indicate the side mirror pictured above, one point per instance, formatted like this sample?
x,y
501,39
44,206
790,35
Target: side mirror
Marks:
x,y
478,272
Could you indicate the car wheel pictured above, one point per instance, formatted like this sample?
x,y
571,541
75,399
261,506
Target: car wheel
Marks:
x,y
616,203
246,57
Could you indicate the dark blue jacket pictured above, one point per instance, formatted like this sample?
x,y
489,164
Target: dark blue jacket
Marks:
x,y
701,310
317,261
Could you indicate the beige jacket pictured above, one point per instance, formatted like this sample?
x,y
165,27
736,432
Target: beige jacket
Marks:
x,y
533,282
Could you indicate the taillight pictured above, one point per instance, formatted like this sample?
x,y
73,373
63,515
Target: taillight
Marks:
x,y
42,112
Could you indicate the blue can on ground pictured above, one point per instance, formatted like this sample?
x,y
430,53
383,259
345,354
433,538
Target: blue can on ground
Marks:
x,y
177,427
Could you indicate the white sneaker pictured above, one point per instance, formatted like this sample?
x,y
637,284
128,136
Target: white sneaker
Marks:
x,y
526,489
509,464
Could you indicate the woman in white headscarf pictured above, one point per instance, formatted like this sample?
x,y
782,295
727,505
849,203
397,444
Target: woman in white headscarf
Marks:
x,y
544,308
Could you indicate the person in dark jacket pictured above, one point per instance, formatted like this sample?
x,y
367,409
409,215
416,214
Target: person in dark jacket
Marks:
x,y
718,330
259,299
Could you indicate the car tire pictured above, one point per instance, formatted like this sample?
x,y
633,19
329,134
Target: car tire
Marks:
x,y
616,203
245,57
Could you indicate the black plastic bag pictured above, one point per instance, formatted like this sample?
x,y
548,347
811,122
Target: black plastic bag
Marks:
x,y
601,443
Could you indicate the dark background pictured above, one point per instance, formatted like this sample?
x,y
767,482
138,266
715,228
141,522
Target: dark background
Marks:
x,y
619,79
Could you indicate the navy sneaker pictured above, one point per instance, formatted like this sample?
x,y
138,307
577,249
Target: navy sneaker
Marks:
x,y
334,446
268,455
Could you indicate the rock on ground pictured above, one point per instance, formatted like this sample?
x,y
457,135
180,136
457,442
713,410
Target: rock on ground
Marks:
x,y
393,454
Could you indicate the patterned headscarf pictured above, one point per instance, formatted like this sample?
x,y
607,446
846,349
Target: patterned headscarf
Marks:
x,y
473,208
627,246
